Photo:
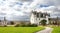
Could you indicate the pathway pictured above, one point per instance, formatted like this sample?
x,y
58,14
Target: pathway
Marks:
x,y
47,30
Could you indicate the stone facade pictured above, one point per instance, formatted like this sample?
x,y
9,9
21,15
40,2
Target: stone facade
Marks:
x,y
36,17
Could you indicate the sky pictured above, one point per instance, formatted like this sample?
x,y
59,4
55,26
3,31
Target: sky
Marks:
x,y
20,9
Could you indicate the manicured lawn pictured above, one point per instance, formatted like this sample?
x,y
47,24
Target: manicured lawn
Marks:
x,y
20,29
56,30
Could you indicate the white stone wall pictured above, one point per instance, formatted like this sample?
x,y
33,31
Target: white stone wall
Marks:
x,y
32,19
47,20
35,20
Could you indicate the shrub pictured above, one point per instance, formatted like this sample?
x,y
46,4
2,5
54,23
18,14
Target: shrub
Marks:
x,y
18,25
34,25
43,22
31,25
5,26
12,23
24,25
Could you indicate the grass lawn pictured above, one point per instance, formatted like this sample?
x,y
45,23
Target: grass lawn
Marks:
x,y
56,30
20,29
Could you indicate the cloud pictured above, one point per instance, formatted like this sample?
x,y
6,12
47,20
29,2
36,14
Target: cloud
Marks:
x,y
20,9
26,0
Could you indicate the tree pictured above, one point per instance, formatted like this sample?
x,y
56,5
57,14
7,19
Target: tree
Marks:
x,y
12,23
58,23
43,22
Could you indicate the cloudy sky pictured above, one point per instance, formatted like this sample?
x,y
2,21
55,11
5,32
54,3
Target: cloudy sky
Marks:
x,y
20,9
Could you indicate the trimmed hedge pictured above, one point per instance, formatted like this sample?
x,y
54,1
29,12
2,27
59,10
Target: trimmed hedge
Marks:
x,y
28,25
5,26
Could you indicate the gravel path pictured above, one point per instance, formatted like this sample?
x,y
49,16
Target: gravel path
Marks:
x,y
47,30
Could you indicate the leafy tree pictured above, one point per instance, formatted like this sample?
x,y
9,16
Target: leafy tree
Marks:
x,y
12,23
43,22
57,19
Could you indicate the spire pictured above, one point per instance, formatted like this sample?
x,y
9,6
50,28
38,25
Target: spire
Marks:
x,y
4,18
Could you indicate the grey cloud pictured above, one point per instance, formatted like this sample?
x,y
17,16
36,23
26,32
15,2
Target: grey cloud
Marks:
x,y
26,0
54,9
18,18
2,13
